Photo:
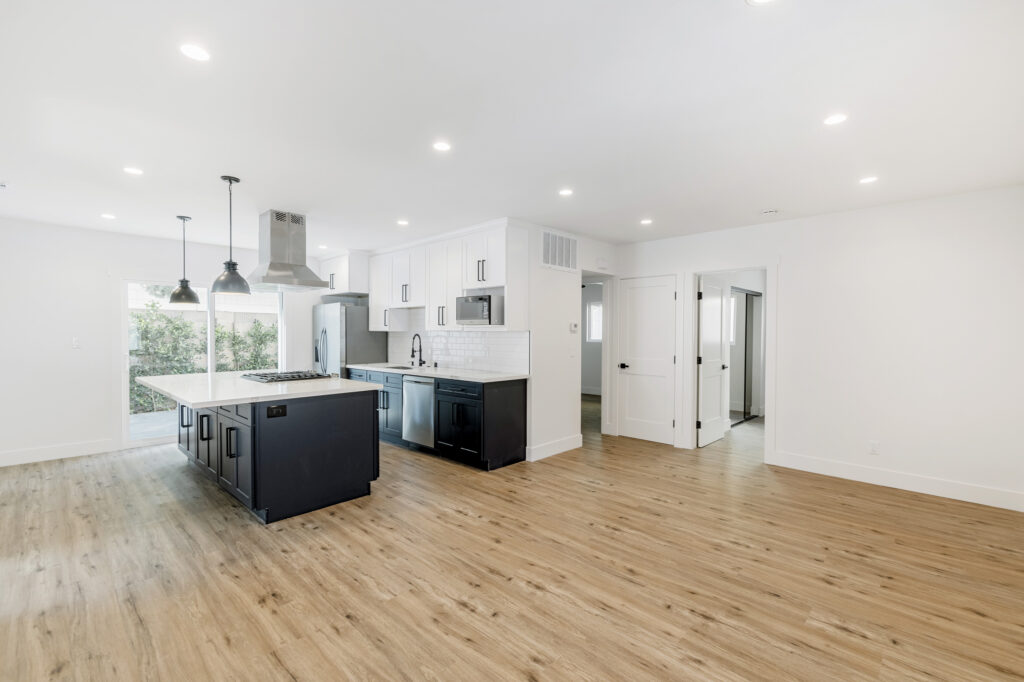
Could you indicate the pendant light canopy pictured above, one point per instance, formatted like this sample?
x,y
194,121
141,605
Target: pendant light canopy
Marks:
x,y
184,293
230,282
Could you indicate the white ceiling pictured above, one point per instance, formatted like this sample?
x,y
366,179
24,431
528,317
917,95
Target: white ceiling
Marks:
x,y
698,114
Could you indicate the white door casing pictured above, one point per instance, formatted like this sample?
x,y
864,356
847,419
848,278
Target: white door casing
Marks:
x,y
712,354
646,384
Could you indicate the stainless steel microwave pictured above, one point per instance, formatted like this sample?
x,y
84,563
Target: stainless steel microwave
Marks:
x,y
470,310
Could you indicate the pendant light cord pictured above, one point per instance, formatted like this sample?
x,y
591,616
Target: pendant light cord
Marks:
x,y
231,225
183,248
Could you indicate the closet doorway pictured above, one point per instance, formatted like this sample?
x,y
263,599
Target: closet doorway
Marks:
x,y
746,355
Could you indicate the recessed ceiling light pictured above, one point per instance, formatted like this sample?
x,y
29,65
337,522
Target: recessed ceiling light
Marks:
x,y
132,171
565,192
195,52
835,119
403,223
442,146
755,3
868,180
646,221
322,246
108,216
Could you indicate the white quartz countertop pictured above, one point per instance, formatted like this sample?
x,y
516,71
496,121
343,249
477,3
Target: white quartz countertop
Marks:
x,y
229,388
477,375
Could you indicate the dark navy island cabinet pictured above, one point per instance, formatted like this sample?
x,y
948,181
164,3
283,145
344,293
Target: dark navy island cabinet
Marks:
x,y
286,458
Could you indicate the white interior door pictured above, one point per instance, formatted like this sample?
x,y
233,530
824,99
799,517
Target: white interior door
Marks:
x,y
712,415
647,358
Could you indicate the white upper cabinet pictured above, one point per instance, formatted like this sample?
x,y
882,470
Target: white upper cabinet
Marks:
x,y
380,292
348,273
409,278
484,256
444,284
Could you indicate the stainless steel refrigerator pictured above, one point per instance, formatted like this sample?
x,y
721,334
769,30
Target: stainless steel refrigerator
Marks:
x,y
342,336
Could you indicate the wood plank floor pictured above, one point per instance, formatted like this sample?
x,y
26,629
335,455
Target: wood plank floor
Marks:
x,y
622,560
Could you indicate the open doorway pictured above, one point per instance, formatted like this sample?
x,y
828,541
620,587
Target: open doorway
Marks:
x,y
591,353
730,358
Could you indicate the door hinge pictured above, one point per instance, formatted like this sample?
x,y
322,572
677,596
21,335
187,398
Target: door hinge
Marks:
x,y
675,295
698,424
673,423
700,360
673,359
700,295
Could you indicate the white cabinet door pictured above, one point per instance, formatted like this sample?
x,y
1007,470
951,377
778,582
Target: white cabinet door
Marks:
x,y
484,259
474,250
399,279
416,289
492,269
453,285
437,284
380,292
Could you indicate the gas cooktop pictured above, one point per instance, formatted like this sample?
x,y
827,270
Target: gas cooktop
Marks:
x,y
269,377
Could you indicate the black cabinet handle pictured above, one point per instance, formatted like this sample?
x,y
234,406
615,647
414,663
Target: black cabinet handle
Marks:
x,y
385,317
229,446
331,285
182,411
623,365
478,277
483,270
204,427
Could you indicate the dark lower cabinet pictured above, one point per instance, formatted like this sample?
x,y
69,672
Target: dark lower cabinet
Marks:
x,y
481,424
207,456
187,432
391,412
235,458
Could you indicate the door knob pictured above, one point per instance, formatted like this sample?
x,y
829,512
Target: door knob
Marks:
x,y
623,365
725,366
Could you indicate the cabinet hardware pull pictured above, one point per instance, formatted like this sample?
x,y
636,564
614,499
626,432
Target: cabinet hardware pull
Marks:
x,y
444,315
439,323
483,270
331,286
230,445
385,317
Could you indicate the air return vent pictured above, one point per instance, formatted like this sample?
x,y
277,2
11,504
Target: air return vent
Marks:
x,y
559,252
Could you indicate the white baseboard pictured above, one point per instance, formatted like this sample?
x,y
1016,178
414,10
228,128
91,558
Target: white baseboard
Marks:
x,y
59,451
554,447
968,492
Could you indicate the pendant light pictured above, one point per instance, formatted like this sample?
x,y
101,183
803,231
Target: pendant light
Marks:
x,y
184,293
230,282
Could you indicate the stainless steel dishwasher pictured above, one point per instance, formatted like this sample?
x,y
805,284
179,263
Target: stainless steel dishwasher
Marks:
x,y
418,410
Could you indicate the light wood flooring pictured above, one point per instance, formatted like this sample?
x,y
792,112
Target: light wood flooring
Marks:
x,y
619,561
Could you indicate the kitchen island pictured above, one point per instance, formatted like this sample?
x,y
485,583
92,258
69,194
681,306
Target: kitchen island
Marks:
x,y
281,449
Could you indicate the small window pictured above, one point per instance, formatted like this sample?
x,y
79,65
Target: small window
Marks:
x,y
595,320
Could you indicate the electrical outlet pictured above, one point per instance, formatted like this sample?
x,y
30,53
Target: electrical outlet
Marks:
x,y
74,343
874,449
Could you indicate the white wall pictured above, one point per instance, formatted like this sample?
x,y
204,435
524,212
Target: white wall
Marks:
x,y
67,282
590,351
884,324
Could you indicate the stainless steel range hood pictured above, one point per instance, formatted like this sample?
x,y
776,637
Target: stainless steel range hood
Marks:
x,y
282,253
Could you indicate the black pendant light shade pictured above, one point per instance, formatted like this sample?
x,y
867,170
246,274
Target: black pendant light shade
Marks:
x,y
184,293
230,282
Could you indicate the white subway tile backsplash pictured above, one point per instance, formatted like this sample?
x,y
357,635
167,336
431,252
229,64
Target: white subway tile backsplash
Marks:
x,y
489,351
